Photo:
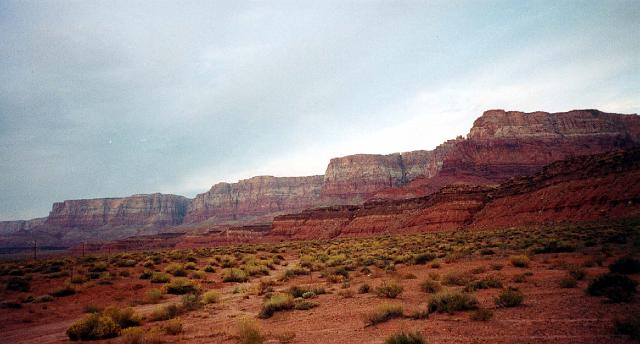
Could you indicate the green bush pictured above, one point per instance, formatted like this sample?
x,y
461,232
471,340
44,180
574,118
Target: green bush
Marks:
x,y
234,275
520,261
617,288
211,296
405,338
180,286
159,277
64,291
248,332
384,312
166,312
452,301
92,327
18,284
430,286
509,298
481,314
389,289
625,265
275,303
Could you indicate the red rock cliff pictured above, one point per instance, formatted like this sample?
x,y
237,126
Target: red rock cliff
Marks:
x,y
257,197
139,210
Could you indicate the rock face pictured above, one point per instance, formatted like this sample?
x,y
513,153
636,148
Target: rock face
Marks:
x,y
255,198
9,227
139,210
578,189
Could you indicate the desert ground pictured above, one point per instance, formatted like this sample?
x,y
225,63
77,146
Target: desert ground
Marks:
x,y
541,284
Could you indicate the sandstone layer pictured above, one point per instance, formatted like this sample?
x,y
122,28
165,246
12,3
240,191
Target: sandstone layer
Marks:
x,y
255,198
578,189
142,210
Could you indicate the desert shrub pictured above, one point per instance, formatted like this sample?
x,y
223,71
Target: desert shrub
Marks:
x,y
198,275
299,291
389,289
44,298
18,284
430,286
420,314
64,291
520,261
180,286
176,269
191,302
481,314
487,251
190,266
509,298
405,338
209,268
166,312
146,274
153,295
302,305
617,288
364,288
211,296
94,326
485,283
77,279
234,275
159,277
309,295
98,267
133,335
248,332
452,301
276,303
456,278
384,312
568,282
577,273
123,317
629,326
423,258
625,265
555,247
172,327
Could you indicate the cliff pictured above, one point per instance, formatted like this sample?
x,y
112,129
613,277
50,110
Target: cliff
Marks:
x,y
578,189
10,227
255,198
137,210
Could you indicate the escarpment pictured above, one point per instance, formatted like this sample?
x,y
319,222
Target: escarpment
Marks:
x,y
455,185
577,189
253,198
141,210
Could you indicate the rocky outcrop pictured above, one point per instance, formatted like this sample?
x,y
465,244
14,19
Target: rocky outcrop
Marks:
x,y
9,227
257,198
137,210
578,189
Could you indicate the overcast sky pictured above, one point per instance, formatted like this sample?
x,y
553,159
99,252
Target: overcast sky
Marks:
x,y
113,98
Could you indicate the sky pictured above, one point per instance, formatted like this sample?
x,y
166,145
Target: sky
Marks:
x,y
113,98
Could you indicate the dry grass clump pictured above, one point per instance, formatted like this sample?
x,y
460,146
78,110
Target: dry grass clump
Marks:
x,y
276,303
509,298
106,324
211,296
180,286
452,301
430,286
521,261
248,332
389,290
234,275
172,327
405,338
481,314
153,295
384,312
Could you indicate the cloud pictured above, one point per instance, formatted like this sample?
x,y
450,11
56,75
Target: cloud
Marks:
x,y
112,99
